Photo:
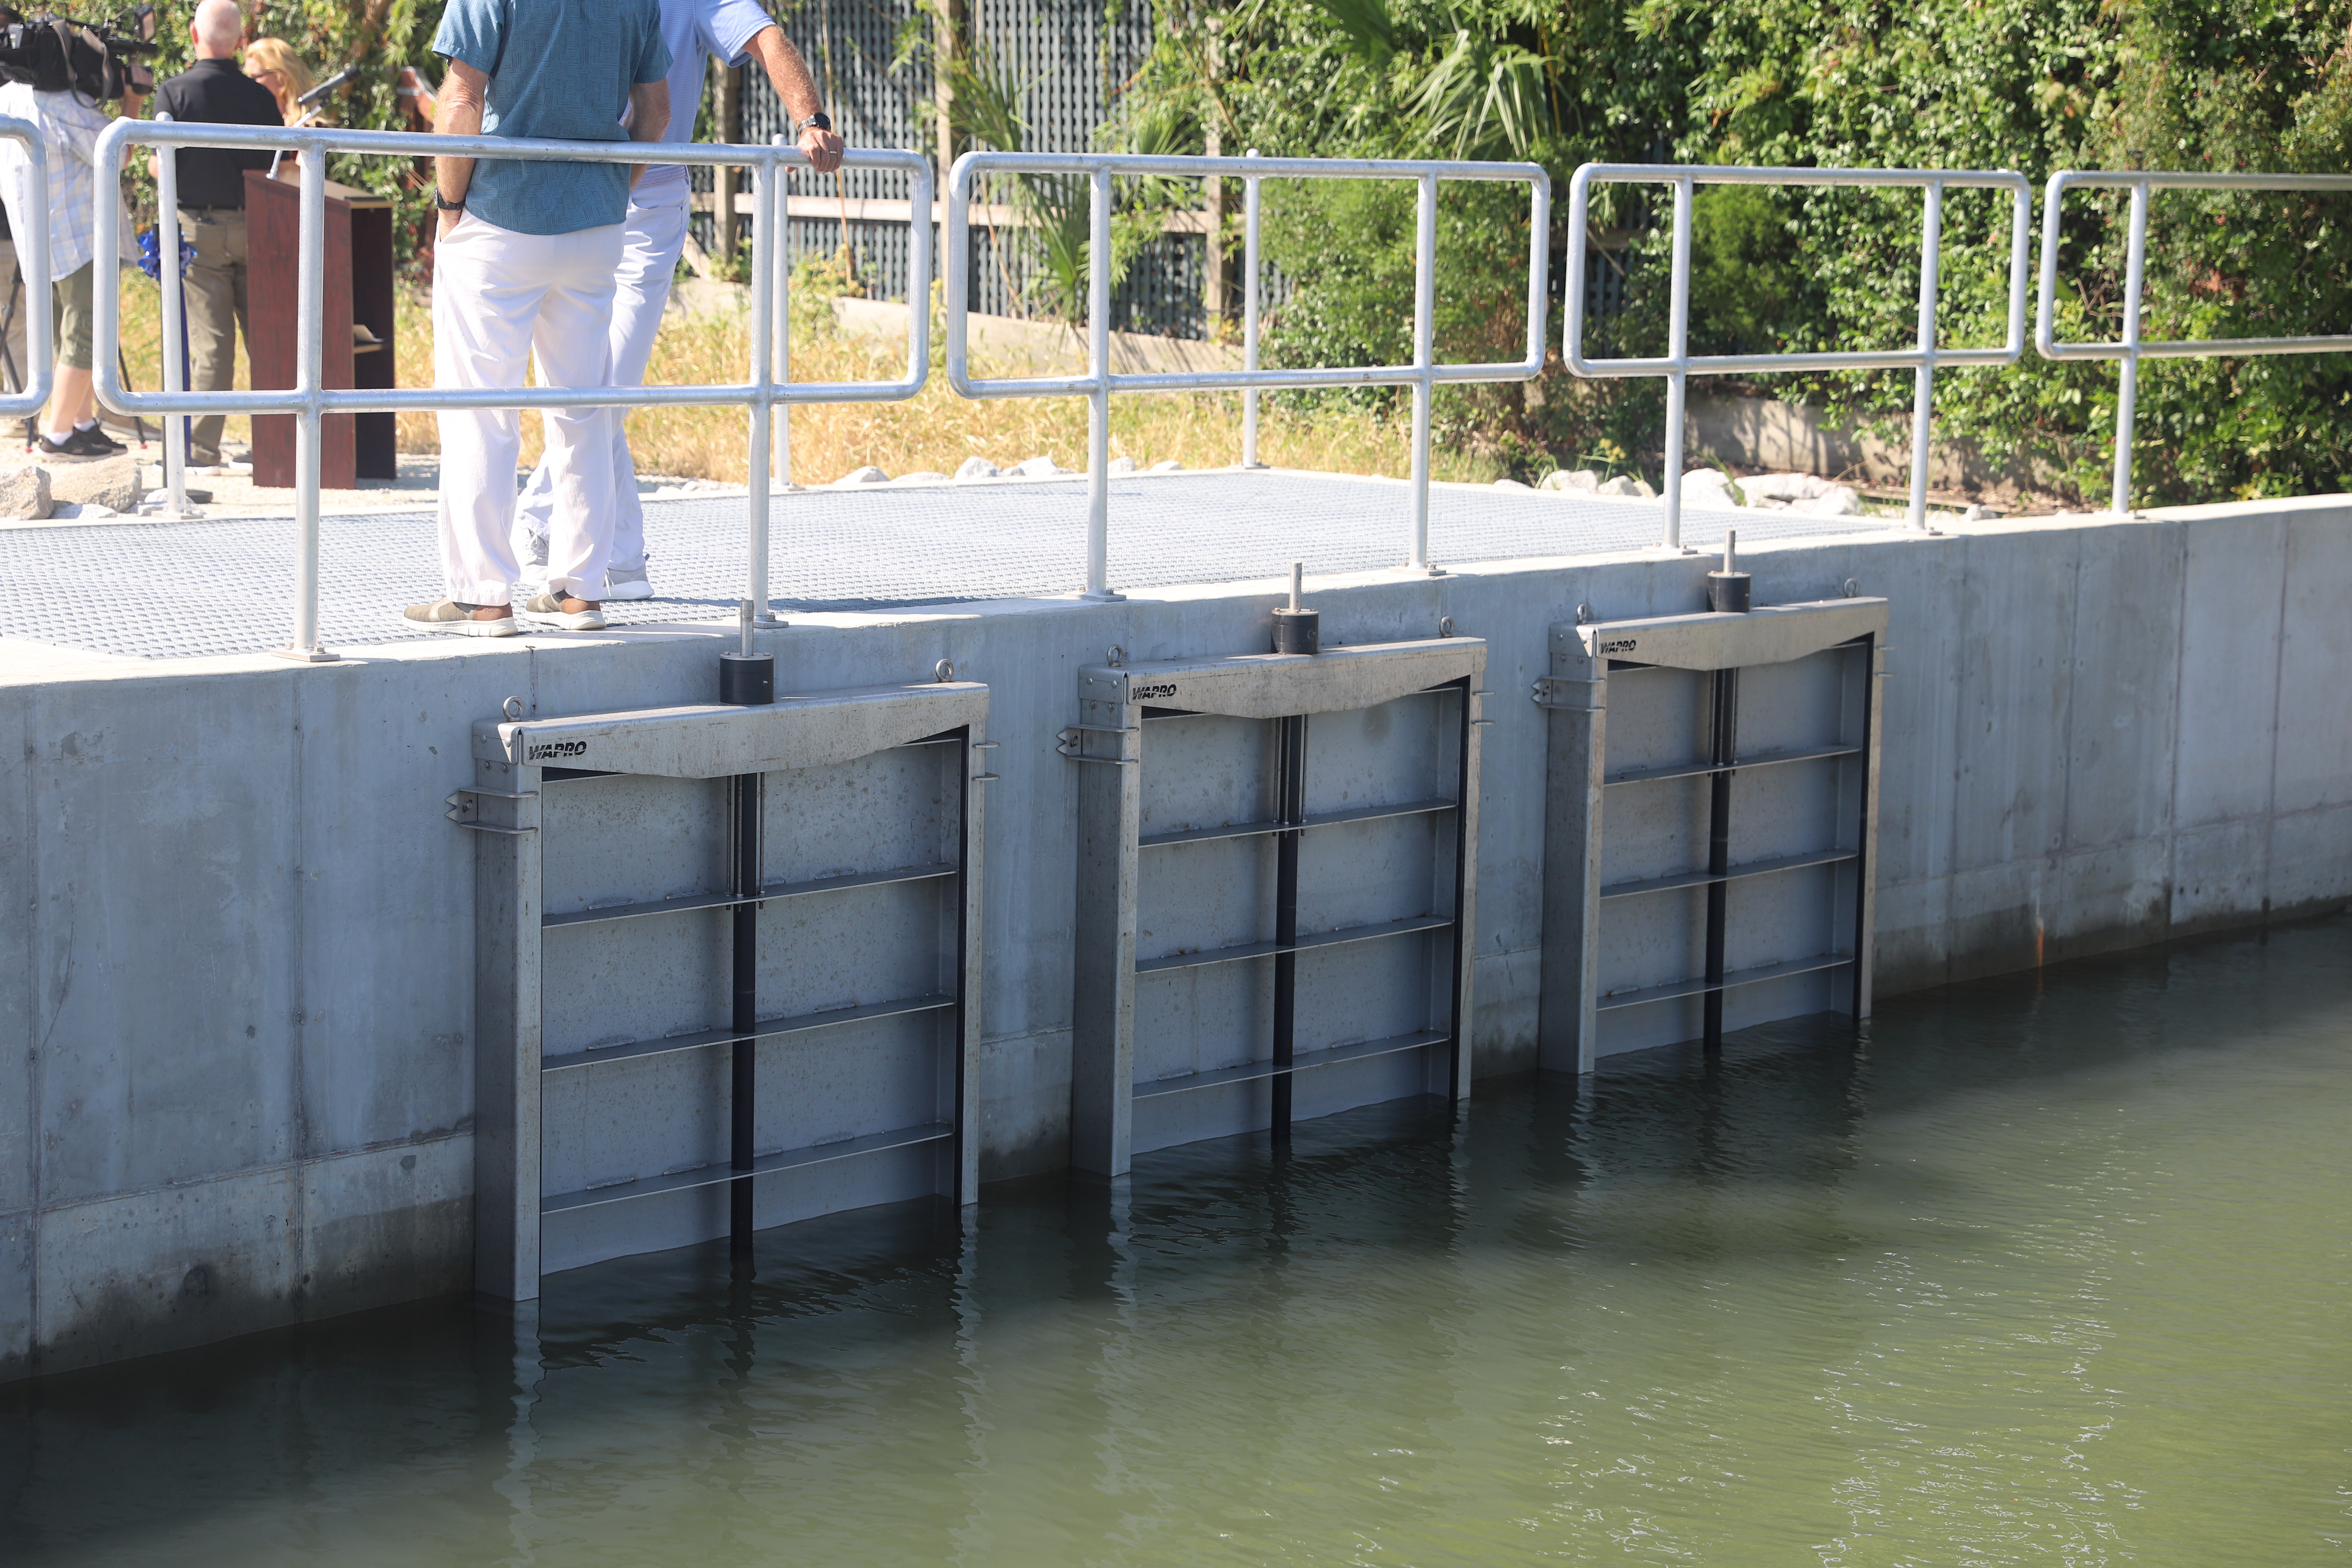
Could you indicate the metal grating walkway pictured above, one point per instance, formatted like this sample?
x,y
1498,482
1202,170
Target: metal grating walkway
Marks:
x,y
228,583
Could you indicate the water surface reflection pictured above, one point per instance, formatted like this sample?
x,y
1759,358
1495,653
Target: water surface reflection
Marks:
x,y
2036,1269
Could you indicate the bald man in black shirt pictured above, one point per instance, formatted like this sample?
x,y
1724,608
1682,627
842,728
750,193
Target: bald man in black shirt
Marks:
x,y
214,91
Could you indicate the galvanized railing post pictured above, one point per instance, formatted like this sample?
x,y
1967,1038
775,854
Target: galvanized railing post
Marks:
x,y
173,288
309,358
1422,375
1678,359
2128,388
778,259
763,388
2133,345
39,374
1249,317
1424,339
1678,364
1099,196
1931,233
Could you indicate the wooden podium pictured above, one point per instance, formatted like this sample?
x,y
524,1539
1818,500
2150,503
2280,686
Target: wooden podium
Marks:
x,y
353,446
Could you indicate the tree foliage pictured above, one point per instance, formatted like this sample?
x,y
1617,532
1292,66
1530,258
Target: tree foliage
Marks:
x,y
2030,85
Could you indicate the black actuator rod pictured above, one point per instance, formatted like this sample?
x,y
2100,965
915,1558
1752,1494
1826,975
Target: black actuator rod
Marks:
x,y
1290,808
1726,593
746,679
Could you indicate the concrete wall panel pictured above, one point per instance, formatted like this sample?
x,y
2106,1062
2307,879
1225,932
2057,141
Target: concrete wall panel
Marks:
x,y
2234,578
1920,768
168,879
2311,856
386,1005
1999,918
21,1000
17,1275
387,1224
2017,603
2314,702
2124,689
170,1266
2115,897
2221,874
1913,950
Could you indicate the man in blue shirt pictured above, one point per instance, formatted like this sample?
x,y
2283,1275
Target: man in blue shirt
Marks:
x,y
524,264
655,234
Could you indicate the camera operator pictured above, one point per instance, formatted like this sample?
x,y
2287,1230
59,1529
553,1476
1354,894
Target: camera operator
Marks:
x,y
213,92
70,122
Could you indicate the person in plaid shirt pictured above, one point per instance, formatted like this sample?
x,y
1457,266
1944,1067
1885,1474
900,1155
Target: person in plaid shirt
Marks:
x,y
70,125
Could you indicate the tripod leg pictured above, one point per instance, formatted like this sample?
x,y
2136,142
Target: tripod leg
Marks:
x,y
122,362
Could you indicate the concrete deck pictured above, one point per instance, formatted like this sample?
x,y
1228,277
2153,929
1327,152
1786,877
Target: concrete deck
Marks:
x,y
860,549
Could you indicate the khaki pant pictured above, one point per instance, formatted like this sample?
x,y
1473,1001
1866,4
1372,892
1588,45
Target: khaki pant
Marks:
x,y
215,314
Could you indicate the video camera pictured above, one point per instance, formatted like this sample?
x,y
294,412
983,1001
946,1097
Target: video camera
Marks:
x,y
59,54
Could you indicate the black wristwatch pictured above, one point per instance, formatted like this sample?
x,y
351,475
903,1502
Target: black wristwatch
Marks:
x,y
820,120
447,207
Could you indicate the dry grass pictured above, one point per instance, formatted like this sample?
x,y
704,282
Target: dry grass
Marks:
x,y
936,431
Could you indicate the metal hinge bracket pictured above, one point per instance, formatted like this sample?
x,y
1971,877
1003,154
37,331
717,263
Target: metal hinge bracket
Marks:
x,y
1552,691
1068,740
466,810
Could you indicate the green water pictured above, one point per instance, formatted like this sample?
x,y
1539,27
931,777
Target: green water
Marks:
x,y
2039,1271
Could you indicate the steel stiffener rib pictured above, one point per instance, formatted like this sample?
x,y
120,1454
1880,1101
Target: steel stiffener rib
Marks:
x,y
720,1173
1701,770
1700,987
771,1029
1249,1072
1703,879
1260,830
730,900
1304,944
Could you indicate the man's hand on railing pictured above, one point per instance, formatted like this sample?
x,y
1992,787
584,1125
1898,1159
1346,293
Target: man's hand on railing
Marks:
x,y
796,90
823,148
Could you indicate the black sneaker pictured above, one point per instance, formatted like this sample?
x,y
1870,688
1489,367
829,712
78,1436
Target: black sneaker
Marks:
x,y
72,449
100,444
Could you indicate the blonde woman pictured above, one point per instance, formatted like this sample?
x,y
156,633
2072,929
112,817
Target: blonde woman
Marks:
x,y
273,63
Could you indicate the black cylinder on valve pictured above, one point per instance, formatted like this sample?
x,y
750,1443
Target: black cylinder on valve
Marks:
x,y
747,680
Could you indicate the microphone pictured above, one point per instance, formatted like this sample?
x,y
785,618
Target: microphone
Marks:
x,y
326,87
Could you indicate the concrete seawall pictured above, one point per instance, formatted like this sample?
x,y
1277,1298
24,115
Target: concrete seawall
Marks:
x,y
235,1071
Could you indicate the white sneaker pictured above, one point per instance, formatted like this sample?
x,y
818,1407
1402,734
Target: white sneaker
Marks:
x,y
628,582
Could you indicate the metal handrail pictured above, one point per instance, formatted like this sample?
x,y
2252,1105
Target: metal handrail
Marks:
x,y
2129,348
32,266
1423,374
310,402
1678,364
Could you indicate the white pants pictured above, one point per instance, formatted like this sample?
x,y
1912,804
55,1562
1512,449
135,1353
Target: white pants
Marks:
x,y
498,297
652,238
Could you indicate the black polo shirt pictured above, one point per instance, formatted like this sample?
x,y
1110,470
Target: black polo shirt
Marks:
x,y
216,93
